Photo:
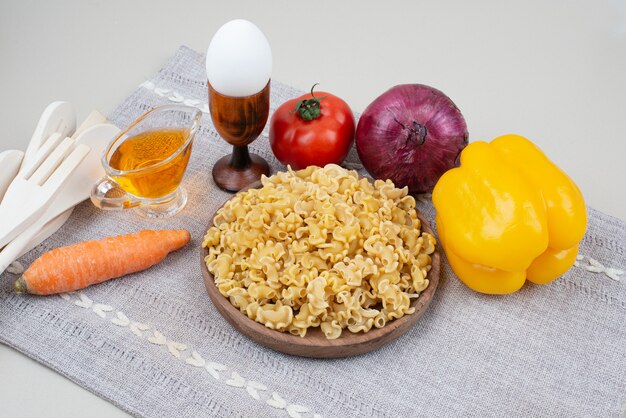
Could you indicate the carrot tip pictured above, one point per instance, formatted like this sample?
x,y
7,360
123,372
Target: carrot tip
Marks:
x,y
20,285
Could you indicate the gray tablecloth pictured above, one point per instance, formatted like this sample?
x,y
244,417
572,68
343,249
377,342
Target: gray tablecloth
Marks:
x,y
153,344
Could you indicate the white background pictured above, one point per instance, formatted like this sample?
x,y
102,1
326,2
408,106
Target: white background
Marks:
x,y
553,71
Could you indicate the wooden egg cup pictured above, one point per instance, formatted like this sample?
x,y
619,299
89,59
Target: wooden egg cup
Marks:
x,y
239,120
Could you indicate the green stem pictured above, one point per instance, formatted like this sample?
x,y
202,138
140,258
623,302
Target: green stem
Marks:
x,y
310,109
20,285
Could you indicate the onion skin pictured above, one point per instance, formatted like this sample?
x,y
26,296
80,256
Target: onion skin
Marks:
x,y
411,134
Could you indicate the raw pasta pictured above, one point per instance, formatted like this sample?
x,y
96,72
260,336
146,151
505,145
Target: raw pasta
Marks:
x,y
320,247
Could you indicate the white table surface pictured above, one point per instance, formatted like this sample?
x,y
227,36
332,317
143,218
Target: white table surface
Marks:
x,y
552,71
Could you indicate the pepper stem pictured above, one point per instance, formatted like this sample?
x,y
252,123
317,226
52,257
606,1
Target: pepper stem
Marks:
x,y
310,109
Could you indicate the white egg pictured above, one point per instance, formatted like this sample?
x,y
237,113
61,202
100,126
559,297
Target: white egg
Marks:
x,y
239,59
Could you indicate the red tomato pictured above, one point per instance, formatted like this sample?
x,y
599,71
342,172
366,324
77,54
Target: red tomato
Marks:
x,y
320,141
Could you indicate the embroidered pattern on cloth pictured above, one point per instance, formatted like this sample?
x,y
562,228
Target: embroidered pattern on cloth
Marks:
x,y
174,96
191,357
594,266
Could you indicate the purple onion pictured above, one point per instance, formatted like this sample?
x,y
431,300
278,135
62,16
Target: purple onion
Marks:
x,y
411,134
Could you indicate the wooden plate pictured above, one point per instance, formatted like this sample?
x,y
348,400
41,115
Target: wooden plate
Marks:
x,y
315,344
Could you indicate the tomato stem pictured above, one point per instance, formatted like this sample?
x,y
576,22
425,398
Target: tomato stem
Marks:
x,y
310,109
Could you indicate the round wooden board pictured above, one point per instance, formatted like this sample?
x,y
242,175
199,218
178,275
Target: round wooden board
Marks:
x,y
315,344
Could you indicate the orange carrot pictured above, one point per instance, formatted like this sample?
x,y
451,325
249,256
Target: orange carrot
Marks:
x,y
76,266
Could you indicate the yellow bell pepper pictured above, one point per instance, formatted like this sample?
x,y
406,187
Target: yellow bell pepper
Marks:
x,y
508,214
